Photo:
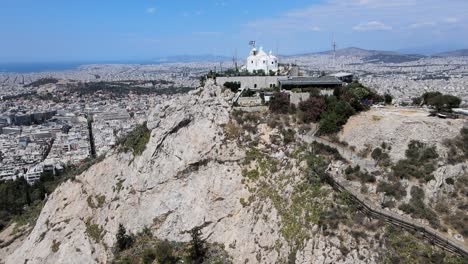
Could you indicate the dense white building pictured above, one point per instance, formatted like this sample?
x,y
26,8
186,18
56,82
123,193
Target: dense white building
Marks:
x,y
34,174
259,60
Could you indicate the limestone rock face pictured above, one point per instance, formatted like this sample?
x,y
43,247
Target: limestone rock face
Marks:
x,y
188,175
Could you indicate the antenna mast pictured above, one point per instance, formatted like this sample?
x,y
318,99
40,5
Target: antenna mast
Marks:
x,y
234,60
334,52
277,48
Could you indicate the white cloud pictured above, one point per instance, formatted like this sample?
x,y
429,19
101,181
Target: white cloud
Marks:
x,y
371,25
151,10
451,20
315,28
336,16
277,26
220,3
207,33
372,3
422,25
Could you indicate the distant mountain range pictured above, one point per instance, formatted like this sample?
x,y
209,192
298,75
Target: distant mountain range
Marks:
x,y
369,56
192,58
455,53
358,52
378,56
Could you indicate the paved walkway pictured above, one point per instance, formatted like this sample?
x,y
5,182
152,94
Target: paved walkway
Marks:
x,y
440,239
345,152
434,236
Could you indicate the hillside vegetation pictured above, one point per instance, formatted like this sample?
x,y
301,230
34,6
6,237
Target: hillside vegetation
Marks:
x,y
331,112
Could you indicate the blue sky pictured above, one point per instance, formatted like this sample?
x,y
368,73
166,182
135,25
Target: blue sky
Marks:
x,y
83,30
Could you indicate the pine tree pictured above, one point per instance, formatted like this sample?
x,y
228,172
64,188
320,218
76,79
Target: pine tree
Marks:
x,y
124,241
198,248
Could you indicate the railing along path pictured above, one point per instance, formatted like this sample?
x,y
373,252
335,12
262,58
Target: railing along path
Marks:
x,y
433,236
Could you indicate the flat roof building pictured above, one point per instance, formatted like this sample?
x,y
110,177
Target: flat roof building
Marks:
x,y
309,82
344,76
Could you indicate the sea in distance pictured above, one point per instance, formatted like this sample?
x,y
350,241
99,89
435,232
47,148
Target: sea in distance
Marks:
x,y
30,67
24,67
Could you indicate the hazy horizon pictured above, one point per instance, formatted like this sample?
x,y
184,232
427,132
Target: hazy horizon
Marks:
x,y
53,30
426,51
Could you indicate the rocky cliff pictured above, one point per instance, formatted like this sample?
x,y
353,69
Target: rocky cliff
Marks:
x,y
253,194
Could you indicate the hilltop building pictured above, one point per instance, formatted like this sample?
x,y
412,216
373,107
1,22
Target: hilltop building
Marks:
x,y
266,77
305,82
344,76
258,60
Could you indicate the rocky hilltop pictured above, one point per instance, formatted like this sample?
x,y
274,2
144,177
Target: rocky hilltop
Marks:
x,y
184,178
204,165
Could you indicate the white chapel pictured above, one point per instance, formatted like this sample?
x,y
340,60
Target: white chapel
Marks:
x,y
259,60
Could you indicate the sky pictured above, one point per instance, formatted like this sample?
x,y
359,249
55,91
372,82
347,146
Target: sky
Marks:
x,y
94,30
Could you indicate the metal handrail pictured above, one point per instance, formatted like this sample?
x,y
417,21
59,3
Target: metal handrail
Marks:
x,y
439,239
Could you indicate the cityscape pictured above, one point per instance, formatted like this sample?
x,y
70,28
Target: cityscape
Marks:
x,y
222,132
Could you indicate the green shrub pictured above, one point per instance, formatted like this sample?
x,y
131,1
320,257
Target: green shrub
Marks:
x,y
388,99
91,202
312,109
164,253
148,249
280,103
232,131
458,148
418,209
252,154
345,102
377,154
417,101
149,255
55,246
450,181
444,102
123,240
438,100
325,150
382,158
289,136
329,123
356,174
198,247
404,247
396,189
420,162
337,114
136,140
252,174
94,231
419,151
459,221
233,86
331,218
